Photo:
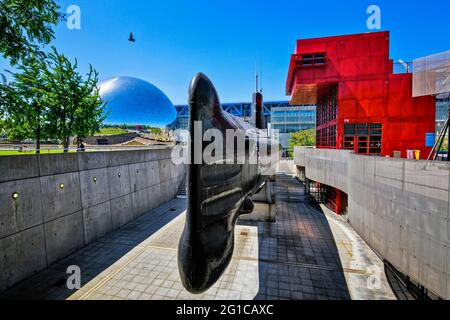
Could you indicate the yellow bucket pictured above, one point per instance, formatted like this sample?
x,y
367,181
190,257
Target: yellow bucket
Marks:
x,y
417,154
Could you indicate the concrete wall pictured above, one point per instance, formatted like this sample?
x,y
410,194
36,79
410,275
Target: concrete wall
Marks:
x,y
324,165
400,207
66,201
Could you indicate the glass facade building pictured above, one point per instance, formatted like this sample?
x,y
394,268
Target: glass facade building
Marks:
x,y
292,119
282,117
431,77
442,108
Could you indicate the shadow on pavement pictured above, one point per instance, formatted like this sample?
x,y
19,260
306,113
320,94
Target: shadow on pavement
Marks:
x,y
298,256
51,283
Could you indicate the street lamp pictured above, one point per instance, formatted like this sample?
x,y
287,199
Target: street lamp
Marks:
x,y
403,63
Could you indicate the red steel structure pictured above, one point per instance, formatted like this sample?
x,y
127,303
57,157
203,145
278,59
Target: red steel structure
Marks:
x,y
361,104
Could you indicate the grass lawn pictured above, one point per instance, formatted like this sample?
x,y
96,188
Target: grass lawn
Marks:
x,y
111,131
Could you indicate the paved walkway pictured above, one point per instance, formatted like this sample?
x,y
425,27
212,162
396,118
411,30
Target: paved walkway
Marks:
x,y
363,269
306,254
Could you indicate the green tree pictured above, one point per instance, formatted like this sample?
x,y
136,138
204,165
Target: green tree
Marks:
x,y
303,138
155,130
24,110
24,25
3,98
75,106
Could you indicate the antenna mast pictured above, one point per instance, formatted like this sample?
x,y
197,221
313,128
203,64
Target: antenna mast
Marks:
x,y
260,74
257,77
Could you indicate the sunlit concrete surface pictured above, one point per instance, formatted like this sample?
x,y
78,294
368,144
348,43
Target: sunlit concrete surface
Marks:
x,y
305,254
363,269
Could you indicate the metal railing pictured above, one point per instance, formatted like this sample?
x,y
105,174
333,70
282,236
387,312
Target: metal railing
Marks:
x,y
49,149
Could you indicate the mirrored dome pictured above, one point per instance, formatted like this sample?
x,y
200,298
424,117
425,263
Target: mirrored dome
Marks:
x,y
134,101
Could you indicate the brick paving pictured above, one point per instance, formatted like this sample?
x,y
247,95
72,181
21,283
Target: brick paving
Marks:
x,y
150,271
298,257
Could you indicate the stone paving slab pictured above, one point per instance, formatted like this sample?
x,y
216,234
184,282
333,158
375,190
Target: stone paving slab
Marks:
x,y
150,271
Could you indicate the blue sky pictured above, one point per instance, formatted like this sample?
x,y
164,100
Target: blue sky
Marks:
x,y
224,39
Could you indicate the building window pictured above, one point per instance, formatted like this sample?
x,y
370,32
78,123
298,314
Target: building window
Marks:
x,y
332,136
313,59
327,104
326,137
363,138
442,107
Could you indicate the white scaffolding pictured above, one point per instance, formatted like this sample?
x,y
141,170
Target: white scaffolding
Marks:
x,y
431,75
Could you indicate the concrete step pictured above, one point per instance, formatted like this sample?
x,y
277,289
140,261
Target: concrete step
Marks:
x,y
182,192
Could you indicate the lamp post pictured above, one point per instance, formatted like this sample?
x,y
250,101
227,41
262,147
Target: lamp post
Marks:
x,y
406,65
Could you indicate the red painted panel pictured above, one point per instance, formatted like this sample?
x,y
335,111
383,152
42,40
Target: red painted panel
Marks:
x,y
368,92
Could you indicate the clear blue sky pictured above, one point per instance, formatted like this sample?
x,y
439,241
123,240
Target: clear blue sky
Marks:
x,y
224,39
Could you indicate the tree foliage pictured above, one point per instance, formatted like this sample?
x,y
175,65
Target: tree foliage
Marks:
x,y
75,106
24,110
303,138
24,25
50,98
3,99
154,130
47,98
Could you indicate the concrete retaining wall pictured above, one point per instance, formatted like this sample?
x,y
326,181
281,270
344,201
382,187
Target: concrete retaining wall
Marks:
x,y
400,207
324,165
65,201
